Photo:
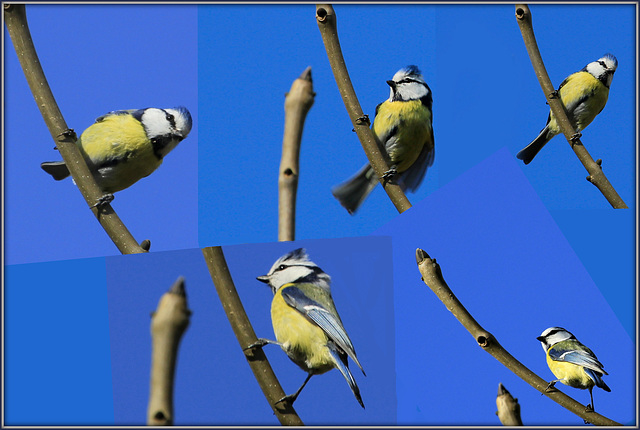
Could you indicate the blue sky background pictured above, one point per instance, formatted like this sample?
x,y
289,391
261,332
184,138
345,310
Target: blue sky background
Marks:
x,y
545,234
57,364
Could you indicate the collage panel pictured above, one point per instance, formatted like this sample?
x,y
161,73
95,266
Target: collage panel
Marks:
x,y
506,260
214,383
248,58
488,96
100,58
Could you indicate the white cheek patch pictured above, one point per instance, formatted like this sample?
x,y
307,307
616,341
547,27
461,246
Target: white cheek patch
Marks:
x,y
412,91
595,69
155,122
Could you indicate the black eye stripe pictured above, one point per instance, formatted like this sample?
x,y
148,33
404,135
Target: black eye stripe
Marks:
x,y
315,269
553,332
169,117
409,80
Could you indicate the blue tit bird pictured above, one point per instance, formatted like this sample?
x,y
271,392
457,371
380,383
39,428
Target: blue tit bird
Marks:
x,y
305,320
125,146
584,95
571,362
402,125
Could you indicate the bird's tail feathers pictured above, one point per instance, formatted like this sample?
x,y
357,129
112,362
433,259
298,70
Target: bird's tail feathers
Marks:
x,y
355,359
344,369
57,169
532,149
355,190
597,378
604,386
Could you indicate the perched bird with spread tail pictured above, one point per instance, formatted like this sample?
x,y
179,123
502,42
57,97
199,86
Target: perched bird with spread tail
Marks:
x,y
124,146
584,95
571,362
305,320
403,126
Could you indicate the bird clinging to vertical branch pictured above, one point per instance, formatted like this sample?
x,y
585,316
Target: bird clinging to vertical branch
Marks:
x,y
403,126
584,95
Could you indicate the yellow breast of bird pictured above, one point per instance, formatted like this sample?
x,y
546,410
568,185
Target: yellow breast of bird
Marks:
x,y
119,150
591,93
304,342
570,374
412,123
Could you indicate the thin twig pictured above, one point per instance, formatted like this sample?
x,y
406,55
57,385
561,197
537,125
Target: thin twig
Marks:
x,y
246,336
378,157
168,324
508,408
432,276
297,103
16,21
596,175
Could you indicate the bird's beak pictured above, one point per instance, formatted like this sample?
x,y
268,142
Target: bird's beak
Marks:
x,y
392,84
540,338
264,279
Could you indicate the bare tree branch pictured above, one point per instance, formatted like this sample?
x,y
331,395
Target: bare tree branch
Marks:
x,y
508,408
378,157
297,103
168,324
16,21
246,336
432,276
596,175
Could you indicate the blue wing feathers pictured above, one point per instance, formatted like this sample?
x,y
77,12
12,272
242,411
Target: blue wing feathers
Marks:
x,y
313,310
579,357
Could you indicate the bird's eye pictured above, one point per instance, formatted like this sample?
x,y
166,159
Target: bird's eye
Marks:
x,y
282,267
171,120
